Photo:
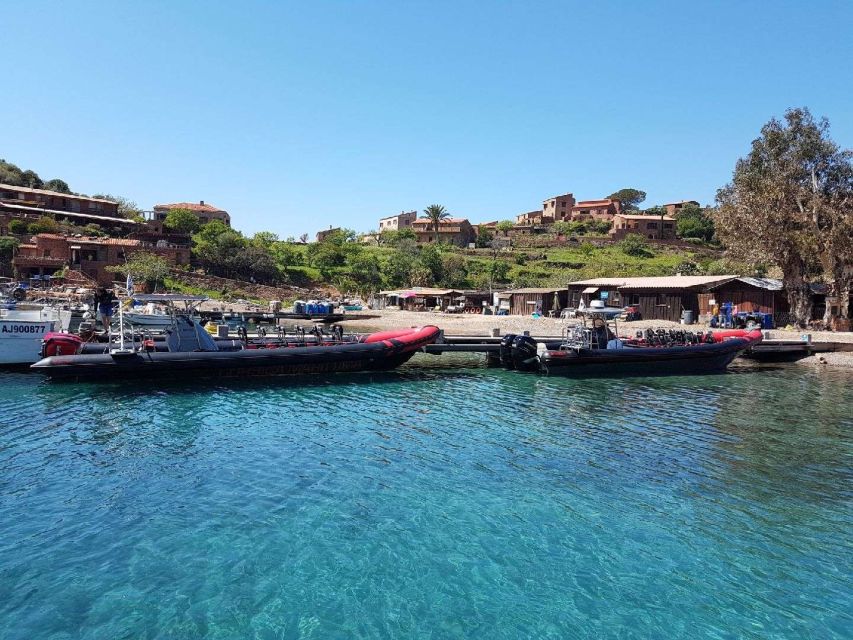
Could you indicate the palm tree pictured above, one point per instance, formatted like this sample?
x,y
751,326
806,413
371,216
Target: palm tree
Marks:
x,y
436,213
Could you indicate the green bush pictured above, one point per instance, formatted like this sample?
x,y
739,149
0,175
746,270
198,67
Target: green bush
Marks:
x,y
635,245
7,247
45,224
17,227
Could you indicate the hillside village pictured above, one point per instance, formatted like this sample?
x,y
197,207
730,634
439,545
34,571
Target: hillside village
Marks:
x,y
664,261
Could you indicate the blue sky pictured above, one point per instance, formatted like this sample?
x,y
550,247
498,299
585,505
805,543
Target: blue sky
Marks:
x,y
296,116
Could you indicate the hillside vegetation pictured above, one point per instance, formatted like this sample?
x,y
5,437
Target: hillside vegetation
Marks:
x,y
399,262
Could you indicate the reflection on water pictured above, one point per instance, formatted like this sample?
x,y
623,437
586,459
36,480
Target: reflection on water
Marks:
x,y
443,499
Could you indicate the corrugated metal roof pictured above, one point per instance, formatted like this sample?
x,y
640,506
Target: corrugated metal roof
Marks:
x,y
58,194
654,282
72,214
421,291
771,284
537,290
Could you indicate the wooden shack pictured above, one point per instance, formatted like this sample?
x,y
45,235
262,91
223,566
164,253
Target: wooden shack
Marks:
x,y
750,295
418,298
657,298
544,300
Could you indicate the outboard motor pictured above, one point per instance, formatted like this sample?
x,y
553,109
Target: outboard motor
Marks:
x,y
506,351
524,355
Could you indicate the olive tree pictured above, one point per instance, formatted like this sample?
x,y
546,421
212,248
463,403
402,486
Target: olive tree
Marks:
x,y
789,204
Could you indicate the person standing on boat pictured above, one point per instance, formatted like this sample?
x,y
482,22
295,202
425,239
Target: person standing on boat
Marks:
x,y
104,299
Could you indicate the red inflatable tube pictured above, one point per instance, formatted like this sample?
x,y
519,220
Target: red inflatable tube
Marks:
x,y
411,338
754,335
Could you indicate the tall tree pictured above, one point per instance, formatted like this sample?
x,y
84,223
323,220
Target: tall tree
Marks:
x,y
789,204
126,208
629,198
57,185
31,179
694,222
182,221
505,226
436,213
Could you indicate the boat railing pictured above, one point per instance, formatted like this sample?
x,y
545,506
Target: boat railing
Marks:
x,y
576,337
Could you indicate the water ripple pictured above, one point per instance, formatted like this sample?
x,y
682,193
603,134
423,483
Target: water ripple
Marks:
x,y
439,500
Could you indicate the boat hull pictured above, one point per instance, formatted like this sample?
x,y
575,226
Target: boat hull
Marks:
x,y
20,341
376,355
646,361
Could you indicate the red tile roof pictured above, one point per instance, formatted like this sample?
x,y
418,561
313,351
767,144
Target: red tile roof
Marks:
x,y
445,221
585,204
639,216
192,206
89,240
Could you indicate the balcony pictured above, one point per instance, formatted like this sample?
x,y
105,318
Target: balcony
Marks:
x,y
36,261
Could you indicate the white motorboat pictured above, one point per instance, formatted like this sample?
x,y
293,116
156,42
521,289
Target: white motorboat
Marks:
x,y
22,330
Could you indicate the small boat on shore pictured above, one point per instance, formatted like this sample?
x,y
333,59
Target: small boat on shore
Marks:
x,y
593,349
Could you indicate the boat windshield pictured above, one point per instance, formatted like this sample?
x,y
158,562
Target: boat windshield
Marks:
x,y
175,302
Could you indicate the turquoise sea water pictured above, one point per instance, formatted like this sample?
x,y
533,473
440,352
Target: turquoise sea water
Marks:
x,y
438,501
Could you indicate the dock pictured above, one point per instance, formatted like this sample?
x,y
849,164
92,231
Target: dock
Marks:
x,y
267,317
766,351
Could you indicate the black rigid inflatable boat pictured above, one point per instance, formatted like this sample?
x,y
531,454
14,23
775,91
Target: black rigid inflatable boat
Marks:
x,y
190,350
594,350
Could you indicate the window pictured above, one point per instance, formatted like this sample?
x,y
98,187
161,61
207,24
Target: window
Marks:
x,y
651,225
47,253
563,204
635,299
663,300
667,225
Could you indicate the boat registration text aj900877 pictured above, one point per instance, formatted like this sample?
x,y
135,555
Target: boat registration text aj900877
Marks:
x,y
23,328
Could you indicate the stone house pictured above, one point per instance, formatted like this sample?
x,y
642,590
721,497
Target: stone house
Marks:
x,y
651,227
456,231
402,220
47,253
205,212
603,209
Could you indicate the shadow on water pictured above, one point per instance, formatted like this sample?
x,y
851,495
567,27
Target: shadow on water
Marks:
x,y
409,373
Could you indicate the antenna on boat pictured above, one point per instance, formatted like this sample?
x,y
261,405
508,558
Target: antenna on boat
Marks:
x,y
121,350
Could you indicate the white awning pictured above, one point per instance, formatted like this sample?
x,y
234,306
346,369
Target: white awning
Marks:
x,y
590,290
